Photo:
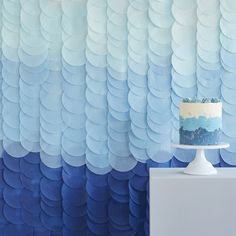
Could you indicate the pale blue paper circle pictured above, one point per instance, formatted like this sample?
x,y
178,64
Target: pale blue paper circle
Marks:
x,y
227,43
139,132
116,64
185,52
118,148
137,33
230,6
208,66
229,16
73,148
138,103
138,56
52,138
122,116
183,35
73,105
137,142
138,118
208,45
72,160
184,17
96,60
98,132
140,69
118,125
119,52
159,49
100,161
228,28
157,117
165,127
208,56
118,135
136,17
208,8
160,20
14,149
52,161
96,86
184,81
72,120
185,4
122,164
120,7
121,93
160,152
51,9
97,116
162,7
97,100
10,53
159,35
98,147
116,18
184,67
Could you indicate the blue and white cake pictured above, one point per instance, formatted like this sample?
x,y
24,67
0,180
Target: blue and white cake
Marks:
x,y
200,121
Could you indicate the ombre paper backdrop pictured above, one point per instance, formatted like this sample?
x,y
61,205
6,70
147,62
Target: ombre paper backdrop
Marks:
x,y
90,91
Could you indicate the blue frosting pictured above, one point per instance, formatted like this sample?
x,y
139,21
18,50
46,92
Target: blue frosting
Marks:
x,y
199,137
209,124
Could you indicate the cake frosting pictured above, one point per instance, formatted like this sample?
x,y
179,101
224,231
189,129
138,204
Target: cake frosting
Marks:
x,y
200,122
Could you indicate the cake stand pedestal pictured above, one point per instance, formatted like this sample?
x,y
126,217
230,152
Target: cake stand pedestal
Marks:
x,y
200,165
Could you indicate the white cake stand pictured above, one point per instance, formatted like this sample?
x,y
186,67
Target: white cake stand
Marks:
x,y
200,165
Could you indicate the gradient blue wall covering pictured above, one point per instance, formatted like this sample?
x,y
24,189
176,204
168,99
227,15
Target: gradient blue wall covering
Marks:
x,y
89,100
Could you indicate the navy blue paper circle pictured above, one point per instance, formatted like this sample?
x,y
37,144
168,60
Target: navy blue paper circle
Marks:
x,y
121,175
30,184
118,186
30,201
51,223
97,219
19,230
138,197
11,163
99,208
139,183
71,195
50,173
50,210
51,189
118,212
12,178
137,210
31,219
74,170
13,215
12,196
32,157
140,169
73,181
74,223
97,193
74,210
100,229
30,170
119,198
96,180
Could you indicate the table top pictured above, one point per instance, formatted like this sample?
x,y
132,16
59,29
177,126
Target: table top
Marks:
x,y
177,173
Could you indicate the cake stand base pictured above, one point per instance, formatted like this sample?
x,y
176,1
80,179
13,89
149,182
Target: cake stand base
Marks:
x,y
200,165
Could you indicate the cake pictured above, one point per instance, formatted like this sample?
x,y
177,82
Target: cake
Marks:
x,y
200,121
